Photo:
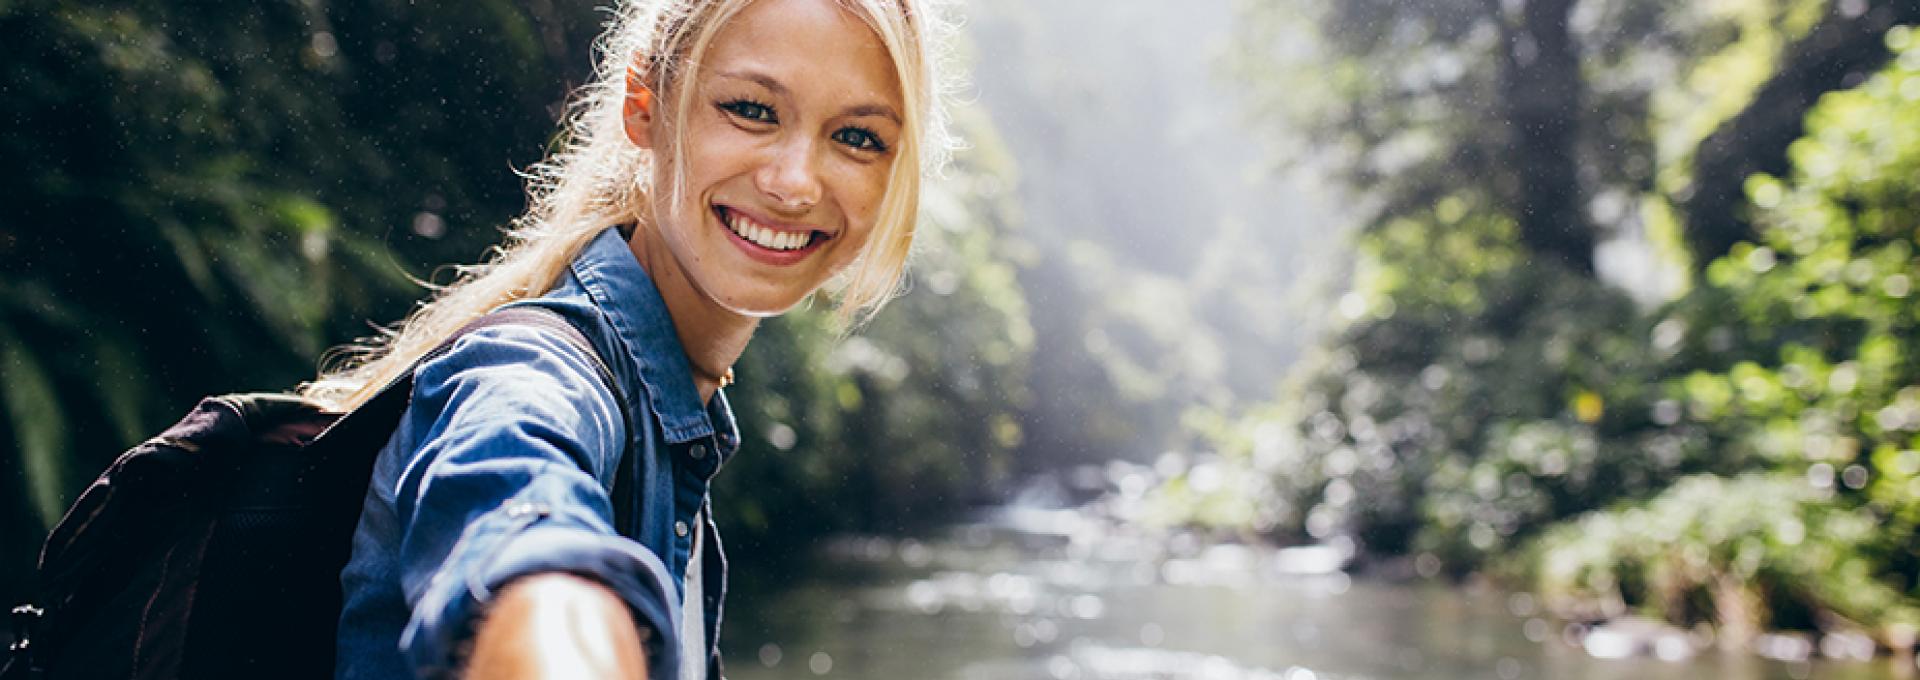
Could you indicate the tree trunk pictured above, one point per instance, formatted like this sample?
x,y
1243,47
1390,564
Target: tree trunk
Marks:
x,y
1544,95
1839,53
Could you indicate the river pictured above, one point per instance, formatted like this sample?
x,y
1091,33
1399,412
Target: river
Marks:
x,y
998,600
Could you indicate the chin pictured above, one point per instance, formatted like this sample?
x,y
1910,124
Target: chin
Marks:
x,y
760,305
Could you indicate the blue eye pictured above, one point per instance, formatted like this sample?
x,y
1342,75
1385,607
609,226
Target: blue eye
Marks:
x,y
749,110
859,138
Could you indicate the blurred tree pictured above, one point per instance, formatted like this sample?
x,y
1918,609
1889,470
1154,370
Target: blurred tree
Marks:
x,y
1837,53
1481,398
1823,392
1547,103
1411,97
1480,132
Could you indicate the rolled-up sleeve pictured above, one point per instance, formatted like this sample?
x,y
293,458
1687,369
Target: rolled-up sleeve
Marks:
x,y
517,443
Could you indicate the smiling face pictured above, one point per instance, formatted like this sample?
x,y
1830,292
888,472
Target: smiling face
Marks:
x,y
788,146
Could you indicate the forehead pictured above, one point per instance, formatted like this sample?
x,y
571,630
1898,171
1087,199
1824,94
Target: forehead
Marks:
x,y
816,49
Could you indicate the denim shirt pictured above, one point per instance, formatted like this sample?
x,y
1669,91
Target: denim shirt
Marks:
x,y
503,465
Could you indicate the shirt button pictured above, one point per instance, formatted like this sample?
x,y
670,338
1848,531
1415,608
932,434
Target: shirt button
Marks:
x,y
680,529
524,509
699,451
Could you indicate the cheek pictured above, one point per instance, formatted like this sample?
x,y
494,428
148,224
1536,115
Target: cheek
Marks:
x,y
863,188
715,153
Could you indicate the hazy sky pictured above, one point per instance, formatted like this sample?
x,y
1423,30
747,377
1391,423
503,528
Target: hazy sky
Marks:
x,y
1124,129
1128,137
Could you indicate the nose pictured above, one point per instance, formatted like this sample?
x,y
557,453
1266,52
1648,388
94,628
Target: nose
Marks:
x,y
789,177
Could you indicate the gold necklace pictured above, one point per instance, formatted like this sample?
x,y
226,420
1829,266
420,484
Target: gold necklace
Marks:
x,y
725,378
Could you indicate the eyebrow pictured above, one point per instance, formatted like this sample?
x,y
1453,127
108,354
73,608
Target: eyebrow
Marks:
x,y
881,110
777,88
763,79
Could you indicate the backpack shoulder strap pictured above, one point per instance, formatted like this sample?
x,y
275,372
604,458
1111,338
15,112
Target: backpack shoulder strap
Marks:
x,y
366,428
393,398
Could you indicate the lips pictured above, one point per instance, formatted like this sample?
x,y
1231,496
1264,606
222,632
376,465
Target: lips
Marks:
x,y
769,241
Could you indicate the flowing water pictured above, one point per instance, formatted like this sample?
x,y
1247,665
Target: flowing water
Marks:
x,y
1021,597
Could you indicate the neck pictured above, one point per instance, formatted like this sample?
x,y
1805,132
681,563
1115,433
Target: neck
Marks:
x,y
712,336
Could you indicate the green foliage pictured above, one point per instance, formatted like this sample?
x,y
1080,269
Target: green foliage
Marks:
x,y
209,197
1728,550
209,194
1825,393
1744,454
30,401
1459,424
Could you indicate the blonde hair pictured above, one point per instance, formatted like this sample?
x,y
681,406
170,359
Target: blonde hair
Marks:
x,y
598,178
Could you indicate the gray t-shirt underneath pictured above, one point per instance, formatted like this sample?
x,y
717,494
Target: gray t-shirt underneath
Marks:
x,y
693,623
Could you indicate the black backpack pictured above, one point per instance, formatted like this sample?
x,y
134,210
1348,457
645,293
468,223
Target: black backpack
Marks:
x,y
214,549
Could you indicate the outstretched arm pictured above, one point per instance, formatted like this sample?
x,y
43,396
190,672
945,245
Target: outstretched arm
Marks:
x,y
506,520
557,626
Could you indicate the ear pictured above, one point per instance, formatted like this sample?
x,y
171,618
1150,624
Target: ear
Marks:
x,y
638,110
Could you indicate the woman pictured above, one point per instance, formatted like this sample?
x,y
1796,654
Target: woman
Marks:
x,y
731,158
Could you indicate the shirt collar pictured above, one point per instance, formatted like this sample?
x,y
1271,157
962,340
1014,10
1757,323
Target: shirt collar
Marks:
x,y
624,292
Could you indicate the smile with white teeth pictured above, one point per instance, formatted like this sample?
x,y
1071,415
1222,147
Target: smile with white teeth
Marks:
x,y
761,235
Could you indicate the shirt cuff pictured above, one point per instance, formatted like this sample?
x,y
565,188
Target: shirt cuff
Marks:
x,y
445,615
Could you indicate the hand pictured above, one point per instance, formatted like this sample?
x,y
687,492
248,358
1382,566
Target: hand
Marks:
x,y
557,626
